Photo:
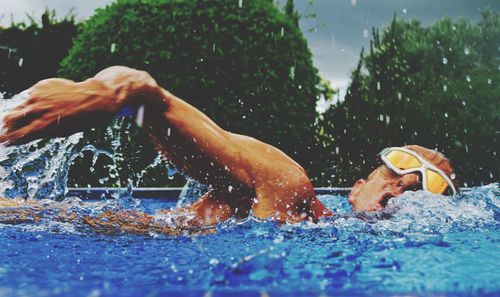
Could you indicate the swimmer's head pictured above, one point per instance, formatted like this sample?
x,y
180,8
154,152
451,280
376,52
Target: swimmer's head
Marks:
x,y
384,183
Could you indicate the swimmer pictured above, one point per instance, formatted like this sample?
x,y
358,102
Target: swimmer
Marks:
x,y
243,173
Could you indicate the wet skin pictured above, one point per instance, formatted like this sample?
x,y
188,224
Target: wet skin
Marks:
x,y
243,173
383,184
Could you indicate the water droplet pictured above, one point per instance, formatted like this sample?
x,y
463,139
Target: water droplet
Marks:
x,y
489,81
466,51
354,2
467,78
240,3
255,200
20,63
365,33
445,61
445,88
113,47
292,72
139,119
404,10
282,31
378,85
446,115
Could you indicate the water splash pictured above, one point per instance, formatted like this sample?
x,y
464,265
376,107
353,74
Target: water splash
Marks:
x,y
191,191
40,168
37,169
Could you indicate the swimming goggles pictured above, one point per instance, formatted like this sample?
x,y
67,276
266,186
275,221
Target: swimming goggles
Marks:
x,y
404,161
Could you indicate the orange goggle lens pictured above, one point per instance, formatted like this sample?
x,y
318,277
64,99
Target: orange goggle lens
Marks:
x,y
435,183
403,160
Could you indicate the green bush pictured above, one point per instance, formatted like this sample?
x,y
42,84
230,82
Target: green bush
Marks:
x,y
248,68
435,86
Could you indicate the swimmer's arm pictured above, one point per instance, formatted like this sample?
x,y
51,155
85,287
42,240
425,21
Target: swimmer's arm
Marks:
x,y
179,222
136,222
60,107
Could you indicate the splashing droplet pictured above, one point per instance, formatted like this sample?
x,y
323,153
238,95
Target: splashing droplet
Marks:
x,y
140,116
292,72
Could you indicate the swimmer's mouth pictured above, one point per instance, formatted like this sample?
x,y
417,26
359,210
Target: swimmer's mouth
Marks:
x,y
388,196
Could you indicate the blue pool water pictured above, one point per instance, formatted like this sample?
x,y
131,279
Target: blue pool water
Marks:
x,y
421,245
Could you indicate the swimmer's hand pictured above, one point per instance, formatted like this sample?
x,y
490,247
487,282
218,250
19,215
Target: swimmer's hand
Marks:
x,y
59,107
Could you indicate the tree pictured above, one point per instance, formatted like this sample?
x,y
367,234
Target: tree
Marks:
x,y
435,86
248,68
32,51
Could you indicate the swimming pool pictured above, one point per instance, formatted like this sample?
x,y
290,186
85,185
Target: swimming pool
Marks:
x,y
421,245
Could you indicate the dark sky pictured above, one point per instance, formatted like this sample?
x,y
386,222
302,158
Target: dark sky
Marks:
x,y
343,26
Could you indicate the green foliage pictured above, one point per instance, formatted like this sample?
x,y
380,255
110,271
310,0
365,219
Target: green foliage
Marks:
x,y
434,86
248,68
31,51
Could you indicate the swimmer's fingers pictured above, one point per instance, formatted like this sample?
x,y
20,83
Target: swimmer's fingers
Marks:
x,y
37,129
37,121
21,116
34,130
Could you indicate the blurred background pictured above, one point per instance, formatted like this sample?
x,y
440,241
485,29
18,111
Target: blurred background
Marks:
x,y
330,82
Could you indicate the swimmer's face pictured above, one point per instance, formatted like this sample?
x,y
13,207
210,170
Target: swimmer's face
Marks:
x,y
383,184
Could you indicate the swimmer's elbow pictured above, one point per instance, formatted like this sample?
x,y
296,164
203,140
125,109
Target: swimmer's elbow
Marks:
x,y
131,86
